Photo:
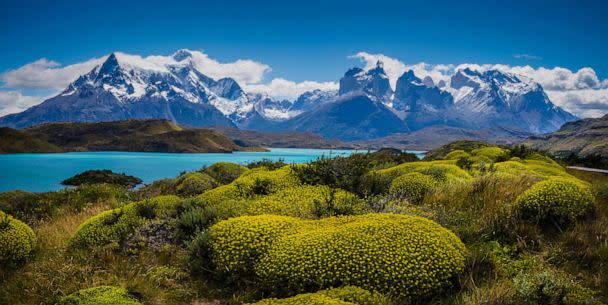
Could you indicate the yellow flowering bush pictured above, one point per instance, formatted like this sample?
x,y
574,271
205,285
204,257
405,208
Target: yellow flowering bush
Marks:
x,y
307,201
412,186
490,153
225,172
400,255
111,227
344,295
238,243
563,200
194,183
17,240
100,295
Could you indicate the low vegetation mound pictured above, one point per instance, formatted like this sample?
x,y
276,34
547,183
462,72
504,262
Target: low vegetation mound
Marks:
x,y
412,186
348,295
298,255
225,172
192,184
112,228
102,176
101,295
17,240
441,171
560,200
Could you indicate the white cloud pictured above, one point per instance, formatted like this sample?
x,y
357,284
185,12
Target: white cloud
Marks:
x,y
580,92
14,101
282,88
46,74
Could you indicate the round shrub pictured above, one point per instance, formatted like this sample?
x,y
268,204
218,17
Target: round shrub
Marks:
x,y
225,172
308,201
412,186
195,183
344,295
562,200
101,295
111,228
400,255
238,243
260,181
17,240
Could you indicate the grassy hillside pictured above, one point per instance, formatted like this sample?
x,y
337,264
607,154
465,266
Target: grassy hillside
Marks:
x,y
16,141
585,137
479,224
130,135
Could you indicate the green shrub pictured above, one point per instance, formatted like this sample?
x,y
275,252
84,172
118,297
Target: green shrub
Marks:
x,y
550,286
457,154
100,295
225,172
308,202
261,181
102,176
17,240
197,219
157,188
402,256
490,153
561,200
267,163
111,228
343,296
192,184
412,186
30,207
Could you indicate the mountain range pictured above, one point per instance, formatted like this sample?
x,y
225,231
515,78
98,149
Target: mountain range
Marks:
x,y
365,107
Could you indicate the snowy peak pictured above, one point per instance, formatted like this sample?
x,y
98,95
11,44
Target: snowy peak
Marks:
x,y
373,82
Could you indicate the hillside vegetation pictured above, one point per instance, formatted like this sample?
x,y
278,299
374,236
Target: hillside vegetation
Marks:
x,y
471,224
129,135
586,137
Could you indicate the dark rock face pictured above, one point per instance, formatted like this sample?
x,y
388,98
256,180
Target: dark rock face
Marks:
x,y
352,116
373,82
423,105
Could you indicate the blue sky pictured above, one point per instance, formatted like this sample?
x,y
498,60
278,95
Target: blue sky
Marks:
x,y
311,40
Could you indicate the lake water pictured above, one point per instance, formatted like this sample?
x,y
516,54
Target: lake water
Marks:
x,y
44,172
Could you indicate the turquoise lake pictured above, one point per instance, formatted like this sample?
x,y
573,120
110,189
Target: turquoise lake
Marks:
x,y
44,172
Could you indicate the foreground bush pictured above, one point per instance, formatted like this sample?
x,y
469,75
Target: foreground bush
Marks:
x,y
348,295
17,240
412,186
111,228
560,200
102,176
439,170
101,295
402,256
225,172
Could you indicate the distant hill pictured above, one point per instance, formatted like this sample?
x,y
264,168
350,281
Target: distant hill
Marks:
x,y
283,139
435,136
129,135
584,137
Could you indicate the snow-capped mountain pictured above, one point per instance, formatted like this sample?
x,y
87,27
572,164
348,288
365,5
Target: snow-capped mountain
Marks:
x,y
504,99
173,87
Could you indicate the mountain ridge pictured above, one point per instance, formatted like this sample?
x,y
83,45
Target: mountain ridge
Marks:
x,y
173,87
